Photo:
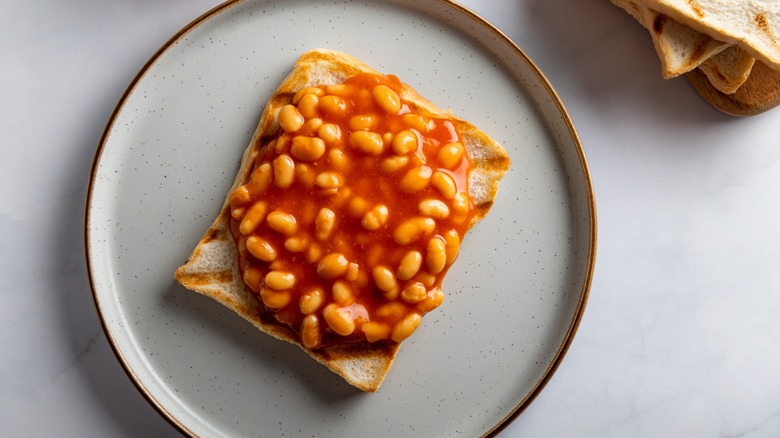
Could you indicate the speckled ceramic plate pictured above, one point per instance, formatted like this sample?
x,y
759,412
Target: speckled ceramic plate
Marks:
x,y
169,154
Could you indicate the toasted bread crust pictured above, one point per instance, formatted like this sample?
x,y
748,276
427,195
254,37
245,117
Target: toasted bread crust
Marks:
x,y
759,93
212,268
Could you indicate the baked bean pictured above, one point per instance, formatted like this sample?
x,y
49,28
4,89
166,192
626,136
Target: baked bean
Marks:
x,y
281,144
362,122
452,245
329,133
392,294
275,299
363,97
387,139
353,271
413,229
260,249
253,277
339,319
394,163
333,265
357,207
415,179
284,171
425,278
433,208
461,205
308,105
279,280
311,335
272,145
240,196
392,311
328,180
332,105
418,122
410,265
312,126
384,278
282,222
305,174
450,155
340,89
342,293
444,184
296,244
324,224
367,142
414,293
406,327
313,253
432,300
436,255
386,98
237,213
375,331
307,148
319,92
311,301
253,217
404,142
375,218
260,180
343,195
338,159
290,119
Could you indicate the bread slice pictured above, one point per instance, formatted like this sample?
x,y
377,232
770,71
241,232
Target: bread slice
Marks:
x,y
752,25
729,69
759,93
722,71
212,267
680,48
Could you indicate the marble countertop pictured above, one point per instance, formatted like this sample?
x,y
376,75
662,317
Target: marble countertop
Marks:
x,y
680,334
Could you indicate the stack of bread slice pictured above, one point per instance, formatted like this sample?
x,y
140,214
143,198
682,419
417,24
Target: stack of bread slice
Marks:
x,y
728,50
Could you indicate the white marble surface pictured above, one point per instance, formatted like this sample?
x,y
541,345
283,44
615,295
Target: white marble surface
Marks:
x,y
680,335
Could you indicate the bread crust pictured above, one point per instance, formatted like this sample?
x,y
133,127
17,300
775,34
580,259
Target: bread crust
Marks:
x,y
759,93
729,78
212,268
746,24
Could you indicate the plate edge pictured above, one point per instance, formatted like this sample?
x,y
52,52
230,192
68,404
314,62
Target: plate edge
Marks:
x,y
88,204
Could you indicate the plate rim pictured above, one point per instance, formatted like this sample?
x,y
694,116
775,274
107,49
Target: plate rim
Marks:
x,y
477,19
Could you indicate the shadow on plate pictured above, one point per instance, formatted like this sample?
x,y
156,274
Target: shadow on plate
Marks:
x,y
261,350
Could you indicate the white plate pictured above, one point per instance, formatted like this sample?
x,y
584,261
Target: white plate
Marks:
x,y
168,156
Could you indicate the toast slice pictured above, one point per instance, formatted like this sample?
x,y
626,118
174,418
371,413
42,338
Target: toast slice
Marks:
x,y
751,25
729,69
759,93
728,52
212,268
680,48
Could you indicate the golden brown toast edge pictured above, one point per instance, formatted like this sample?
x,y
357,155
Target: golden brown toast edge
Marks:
x,y
212,269
759,93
